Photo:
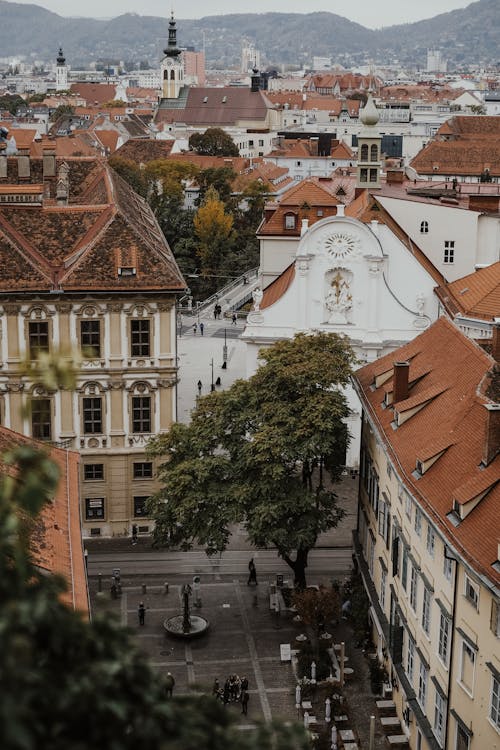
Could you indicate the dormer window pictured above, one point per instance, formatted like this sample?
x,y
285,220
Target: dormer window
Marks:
x,y
126,271
424,227
290,221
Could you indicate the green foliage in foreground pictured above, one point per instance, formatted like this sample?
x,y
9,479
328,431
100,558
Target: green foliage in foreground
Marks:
x,y
265,453
67,684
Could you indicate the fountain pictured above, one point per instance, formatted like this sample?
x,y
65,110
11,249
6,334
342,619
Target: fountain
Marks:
x,y
186,625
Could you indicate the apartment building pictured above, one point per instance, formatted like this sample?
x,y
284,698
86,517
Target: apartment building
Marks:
x,y
427,540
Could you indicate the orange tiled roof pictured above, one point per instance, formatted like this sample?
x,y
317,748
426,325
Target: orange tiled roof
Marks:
x,y
94,92
72,247
471,126
144,150
278,287
476,295
463,373
460,157
55,541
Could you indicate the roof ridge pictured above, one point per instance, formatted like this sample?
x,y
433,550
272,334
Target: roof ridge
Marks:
x,y
30,254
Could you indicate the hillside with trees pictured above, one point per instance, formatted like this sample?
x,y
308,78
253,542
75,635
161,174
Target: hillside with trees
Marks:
x,y
469,35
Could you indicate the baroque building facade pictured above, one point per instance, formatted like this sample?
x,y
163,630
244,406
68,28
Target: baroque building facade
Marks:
x,y
85,266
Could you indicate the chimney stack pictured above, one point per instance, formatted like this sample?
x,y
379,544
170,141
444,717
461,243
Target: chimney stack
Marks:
x,y
495,343
400,381
340,210
492,437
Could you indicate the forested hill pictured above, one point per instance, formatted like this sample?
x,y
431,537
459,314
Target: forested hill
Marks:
x,y
470,35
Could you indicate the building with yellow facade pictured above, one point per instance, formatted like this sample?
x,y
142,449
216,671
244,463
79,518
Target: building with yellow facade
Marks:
x,y
84,264
428,534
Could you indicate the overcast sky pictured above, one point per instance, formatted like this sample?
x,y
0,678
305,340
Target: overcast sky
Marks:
x,y
367,12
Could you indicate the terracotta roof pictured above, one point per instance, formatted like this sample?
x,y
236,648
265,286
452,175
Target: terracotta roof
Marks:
x,y
72,247
144,150
476,295
278,287
471,126
94,92
461,157
463,373
108,139
23,137
311,199
206,106
55,539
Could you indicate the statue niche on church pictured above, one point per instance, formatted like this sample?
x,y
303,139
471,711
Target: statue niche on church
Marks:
x,y
338,299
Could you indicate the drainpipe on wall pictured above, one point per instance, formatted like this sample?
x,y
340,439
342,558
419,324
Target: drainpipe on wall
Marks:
x,y
452,644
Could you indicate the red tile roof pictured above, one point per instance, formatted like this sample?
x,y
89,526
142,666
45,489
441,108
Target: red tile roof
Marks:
x,y
144,150
278,287
55,539
94,92
206,106
465,375
461,157
72,247
476,295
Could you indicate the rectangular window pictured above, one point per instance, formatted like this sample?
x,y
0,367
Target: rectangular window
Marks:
x,y
431,540
371,552
140,338
467,665
449,251
373,175
92,415
495,618
383,580
410,658
290,221
374,491
90,338
413,588
41,422
94,508
382,518
140,506
408,505
462,742
471,592
447,568
439,714
426,611
417,521
495,702
363,175
444,638
93,471
141,414
404,568
422,685
143,470
38,335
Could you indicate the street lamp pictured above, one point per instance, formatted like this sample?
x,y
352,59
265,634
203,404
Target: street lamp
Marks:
x,y
212,386
200,385
224,352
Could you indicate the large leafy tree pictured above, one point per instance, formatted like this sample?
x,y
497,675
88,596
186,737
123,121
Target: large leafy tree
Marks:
x,y
266,453
70,684
213,142
213,229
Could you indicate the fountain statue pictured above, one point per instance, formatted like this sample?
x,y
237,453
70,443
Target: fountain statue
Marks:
x,y
186,625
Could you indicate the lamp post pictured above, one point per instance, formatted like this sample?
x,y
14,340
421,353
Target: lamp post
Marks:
x,y
199,385
212,386
224,351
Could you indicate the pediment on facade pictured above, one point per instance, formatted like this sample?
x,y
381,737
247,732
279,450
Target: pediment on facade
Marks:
x,y
340,239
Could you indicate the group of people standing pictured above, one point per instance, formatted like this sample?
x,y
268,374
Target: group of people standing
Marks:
x,y
235,690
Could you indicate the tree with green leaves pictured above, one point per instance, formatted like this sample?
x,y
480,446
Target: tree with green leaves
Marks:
x,y
61,111
266,453
70,684
213,142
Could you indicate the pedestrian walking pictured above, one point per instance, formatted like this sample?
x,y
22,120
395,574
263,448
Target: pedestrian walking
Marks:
x,y
252,573
234,319
134,533
169,684
226,693
195,327
244,702
142,613
244,684
216,688
202,328
216,310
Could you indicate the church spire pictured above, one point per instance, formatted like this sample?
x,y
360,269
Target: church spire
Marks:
x,y
172,50
61,60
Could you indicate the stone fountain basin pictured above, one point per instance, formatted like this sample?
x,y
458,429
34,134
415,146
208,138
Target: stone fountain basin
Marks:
x,y
173,626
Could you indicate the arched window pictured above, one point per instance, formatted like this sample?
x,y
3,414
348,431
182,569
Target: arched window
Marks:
x,y
373,153
165,75
424,227
172,74
364,152
290,221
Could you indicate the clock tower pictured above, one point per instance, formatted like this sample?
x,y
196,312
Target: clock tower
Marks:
x,y
61,72
171,68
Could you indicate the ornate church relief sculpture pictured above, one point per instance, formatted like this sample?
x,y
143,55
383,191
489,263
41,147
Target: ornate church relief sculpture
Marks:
x,y
341,245
338,300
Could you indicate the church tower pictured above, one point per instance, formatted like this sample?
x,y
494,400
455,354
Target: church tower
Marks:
x,y
171,68
61,72
369,147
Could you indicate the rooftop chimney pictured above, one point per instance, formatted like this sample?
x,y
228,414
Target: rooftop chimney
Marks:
x,y
400,381
492,437
304,227
340,209
495,343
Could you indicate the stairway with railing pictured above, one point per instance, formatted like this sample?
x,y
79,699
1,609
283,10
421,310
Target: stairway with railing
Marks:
x,y
232,296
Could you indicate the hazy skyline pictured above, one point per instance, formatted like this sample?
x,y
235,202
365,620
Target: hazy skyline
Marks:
x,y
372,15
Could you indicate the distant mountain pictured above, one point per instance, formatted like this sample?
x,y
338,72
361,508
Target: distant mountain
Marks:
x,y
469,35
